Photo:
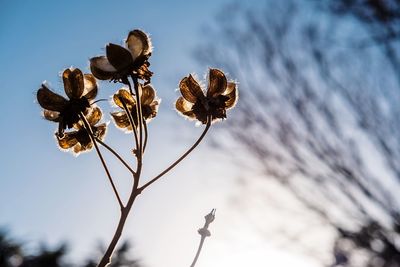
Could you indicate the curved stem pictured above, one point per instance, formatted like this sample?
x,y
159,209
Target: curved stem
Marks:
x,y
132,122
116,155
146,134
198,251
139,116
181,158
93,139
106,259
204,232
130,86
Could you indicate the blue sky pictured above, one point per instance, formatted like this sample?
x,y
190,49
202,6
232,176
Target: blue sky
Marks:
x,y
39,41
50,196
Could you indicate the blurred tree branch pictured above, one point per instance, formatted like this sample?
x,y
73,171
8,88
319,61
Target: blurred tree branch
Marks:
x,y
319,112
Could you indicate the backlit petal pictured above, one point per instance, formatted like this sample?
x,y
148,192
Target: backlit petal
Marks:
x,y
148,94
95,116
90,91
68,140
119,57
121,120
217,83
101,130
233,97
102,68
49,100
184,107
126,97
78,149
84,138
150,111
73,83
154,109
51,115
230,87
138,43
190,89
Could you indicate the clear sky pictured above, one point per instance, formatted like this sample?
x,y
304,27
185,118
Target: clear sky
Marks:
x,y
47,195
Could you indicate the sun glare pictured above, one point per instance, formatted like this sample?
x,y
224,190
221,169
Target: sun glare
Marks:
x,y
259,255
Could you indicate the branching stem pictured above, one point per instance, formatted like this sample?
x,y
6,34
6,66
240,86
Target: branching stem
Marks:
x,y
132,122
116,155
138,93
136,190
180,159
106,259
93,139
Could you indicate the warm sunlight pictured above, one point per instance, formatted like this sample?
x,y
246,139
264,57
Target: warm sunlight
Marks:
x,y
207,133
259,255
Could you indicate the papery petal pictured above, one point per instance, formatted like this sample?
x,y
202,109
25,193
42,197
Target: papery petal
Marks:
x,y
217,83
51,115
150,111
229,88
95,116
91,89
68,140
84,138
119,57
138,43
190,89
232,98
102,68
79,125
125,96
88,146
73,83
148,94
101,130
143,71
49,100
78,149
121,120
184,107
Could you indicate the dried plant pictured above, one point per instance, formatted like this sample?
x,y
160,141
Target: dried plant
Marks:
x,y
79,118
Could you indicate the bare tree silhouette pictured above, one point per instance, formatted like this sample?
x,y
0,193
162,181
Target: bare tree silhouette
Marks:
x,y
319,112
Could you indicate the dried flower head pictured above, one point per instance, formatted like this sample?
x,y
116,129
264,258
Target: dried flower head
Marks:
x,y
79,141
121,62
149,104
80,89
197,104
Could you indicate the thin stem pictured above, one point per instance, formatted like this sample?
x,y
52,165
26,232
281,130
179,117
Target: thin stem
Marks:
x,y
116,155
93,139
130,86
198,251
106,259
132,122
181,158
204,232
146,134
139,116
